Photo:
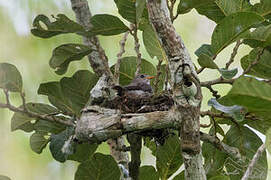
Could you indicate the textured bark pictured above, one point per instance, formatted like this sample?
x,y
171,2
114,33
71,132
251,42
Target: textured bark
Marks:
x,y
184,82
99,63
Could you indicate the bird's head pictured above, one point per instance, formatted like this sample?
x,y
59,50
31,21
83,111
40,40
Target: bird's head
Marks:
x,y
143,78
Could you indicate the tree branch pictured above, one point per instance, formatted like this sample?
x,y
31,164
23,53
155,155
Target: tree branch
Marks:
x,y
119,55
253,162
233,54
23,110
98,59
137,46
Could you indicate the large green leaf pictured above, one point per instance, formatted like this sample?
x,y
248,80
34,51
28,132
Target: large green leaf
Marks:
x,y
186,5
251,93
213,160
128,69
56,97
232,6
44,28
99,167
66,53
10,78
49,127
268,140
228,73
38,142
260,37
231,27
152,43
206,61
148,173
70,94
263,8
107,25
205,49
58,141
211,11
140,6
248,143
263,68
76,88
127,9
260,119
23,121
83,152
169,157
180,176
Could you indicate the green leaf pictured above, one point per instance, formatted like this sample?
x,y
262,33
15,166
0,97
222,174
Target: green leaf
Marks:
x,y
44,28
49,127
268,140
263,8
186,5
38,142
57,143
152,43
211,11
83,152
140,6
70,94
263,68
248,143
76,88
99,167
232,6
169,157
205,49
127,9
55,95
2,177
221,177
107,25
231,27
260,37
228,74
261,120
237,112
148,173
10,78
128,69
66,53
23,121
213,160
206,61
180,176
251,93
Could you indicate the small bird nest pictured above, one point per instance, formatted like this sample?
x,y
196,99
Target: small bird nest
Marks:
x,y
140,104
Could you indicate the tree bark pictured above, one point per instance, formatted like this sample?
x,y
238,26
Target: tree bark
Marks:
x,y
186,88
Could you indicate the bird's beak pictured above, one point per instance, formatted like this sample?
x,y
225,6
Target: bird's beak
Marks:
x,y
150,77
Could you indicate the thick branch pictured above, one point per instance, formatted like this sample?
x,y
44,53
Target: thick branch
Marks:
x,y
186,87
97,59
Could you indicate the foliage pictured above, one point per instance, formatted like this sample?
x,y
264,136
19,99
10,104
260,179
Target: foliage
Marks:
x,y
247,103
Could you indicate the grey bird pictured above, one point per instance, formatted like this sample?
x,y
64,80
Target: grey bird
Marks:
x,y
140,86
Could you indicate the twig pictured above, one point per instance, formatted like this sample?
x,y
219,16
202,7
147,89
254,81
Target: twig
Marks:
x,y
253,162
256,61
167,77
119,55
137,50
35,115
157,80
7,96
219,80
214,92
233,54
23,101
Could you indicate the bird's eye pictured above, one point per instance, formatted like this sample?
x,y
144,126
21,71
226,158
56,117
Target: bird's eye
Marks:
x,y
142,76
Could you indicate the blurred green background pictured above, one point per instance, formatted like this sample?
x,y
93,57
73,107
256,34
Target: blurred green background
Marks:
x,y
31,56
